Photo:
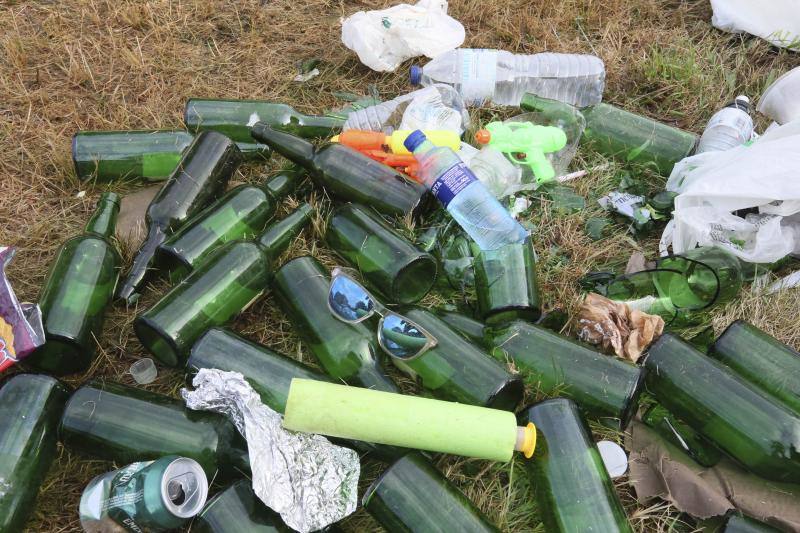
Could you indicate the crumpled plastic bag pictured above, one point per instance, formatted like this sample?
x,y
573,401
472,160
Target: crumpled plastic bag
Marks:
x,y
613,325
309,481
777,21
746,199
385,38
21,329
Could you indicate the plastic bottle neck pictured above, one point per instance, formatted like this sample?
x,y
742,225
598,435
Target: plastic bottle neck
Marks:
x,y
104,219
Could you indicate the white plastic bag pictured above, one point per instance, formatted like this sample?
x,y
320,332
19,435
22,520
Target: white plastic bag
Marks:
x,y
762,179
777,21
383,39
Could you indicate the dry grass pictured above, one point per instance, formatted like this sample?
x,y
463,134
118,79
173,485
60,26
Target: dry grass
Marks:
x,y
98,64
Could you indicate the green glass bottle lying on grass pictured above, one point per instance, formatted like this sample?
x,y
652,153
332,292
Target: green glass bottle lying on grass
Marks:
x,y
234,118
347,174
222,287
201,176
681,435
242,213
77,292
743,422
601,386
238,509
105,156
125,424
32,406
762,360
412,496
347,352
572,485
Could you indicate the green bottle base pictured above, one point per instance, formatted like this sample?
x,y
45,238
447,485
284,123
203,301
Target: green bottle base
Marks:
x,y
508,395
406,288
172,264
60,356
157,341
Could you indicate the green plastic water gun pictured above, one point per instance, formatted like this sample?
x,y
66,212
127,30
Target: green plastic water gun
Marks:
x,y
528,140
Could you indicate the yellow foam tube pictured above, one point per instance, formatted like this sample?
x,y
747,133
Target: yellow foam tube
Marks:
x,y
407,421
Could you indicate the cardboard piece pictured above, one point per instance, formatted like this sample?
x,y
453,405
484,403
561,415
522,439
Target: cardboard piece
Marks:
x,y
660,470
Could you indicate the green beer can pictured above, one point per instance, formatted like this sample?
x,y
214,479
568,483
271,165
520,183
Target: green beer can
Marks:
x,y
150,496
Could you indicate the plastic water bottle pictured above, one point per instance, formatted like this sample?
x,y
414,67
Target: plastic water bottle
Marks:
x,y
730,127
467,200
503,77
433,108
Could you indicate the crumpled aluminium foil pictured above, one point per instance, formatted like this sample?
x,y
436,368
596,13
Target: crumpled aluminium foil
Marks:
x,y
310,482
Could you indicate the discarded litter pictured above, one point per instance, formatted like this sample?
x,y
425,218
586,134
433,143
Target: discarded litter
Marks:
x,y
778,22
384,39
21,330
503,78
526,143
731,126
309,481
780,100
143,371
157,495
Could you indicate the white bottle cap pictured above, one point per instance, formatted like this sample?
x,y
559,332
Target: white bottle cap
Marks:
x,y
143,371
614,457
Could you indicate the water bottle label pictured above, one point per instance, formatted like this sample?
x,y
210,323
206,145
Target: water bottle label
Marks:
x,y
451,182
735,119
478,74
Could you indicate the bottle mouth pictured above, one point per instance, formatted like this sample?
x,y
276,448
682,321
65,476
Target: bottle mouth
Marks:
x,y
414,139
415,74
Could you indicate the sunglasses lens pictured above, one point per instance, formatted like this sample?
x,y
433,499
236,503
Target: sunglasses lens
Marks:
x,y
349,300
401,338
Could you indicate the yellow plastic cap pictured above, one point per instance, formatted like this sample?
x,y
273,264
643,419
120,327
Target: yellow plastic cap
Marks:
x,y
529,443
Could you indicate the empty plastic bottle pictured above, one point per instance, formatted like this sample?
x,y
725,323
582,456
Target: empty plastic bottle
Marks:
x,y
467,200
444,110
502,77
730,127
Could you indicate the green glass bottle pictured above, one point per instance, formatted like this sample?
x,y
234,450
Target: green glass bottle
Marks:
x,y
347,174
762,360
238,510
225,284
570,480
125,425
744,423
32,405
78,289
234,118
269,373
347,352
412,496
459,371
389,263
242,213
602,386
201,176
469,328
681,435
634,138
736,523
105,156
505,283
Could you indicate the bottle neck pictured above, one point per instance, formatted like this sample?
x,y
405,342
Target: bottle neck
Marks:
x,y
278,236
104,219
284,182
289,146
311,126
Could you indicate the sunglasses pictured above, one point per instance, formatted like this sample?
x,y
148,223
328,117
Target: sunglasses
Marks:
x,y
397,336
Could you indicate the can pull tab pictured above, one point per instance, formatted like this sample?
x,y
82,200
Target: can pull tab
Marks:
x,y
526,440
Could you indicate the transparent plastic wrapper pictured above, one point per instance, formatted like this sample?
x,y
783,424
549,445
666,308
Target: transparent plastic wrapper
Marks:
x,y
745,200
777,21
310,482
438,107
385,38
21,329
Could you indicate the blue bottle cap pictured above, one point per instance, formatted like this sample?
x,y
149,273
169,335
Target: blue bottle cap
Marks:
x,y
414,139
415,74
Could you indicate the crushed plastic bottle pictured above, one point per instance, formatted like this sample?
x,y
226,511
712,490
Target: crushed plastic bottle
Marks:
x,y
730,127
438,107
464,196
502,77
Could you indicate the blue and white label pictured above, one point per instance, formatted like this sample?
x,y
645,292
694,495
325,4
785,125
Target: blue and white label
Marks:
x,y
478,75
452,181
